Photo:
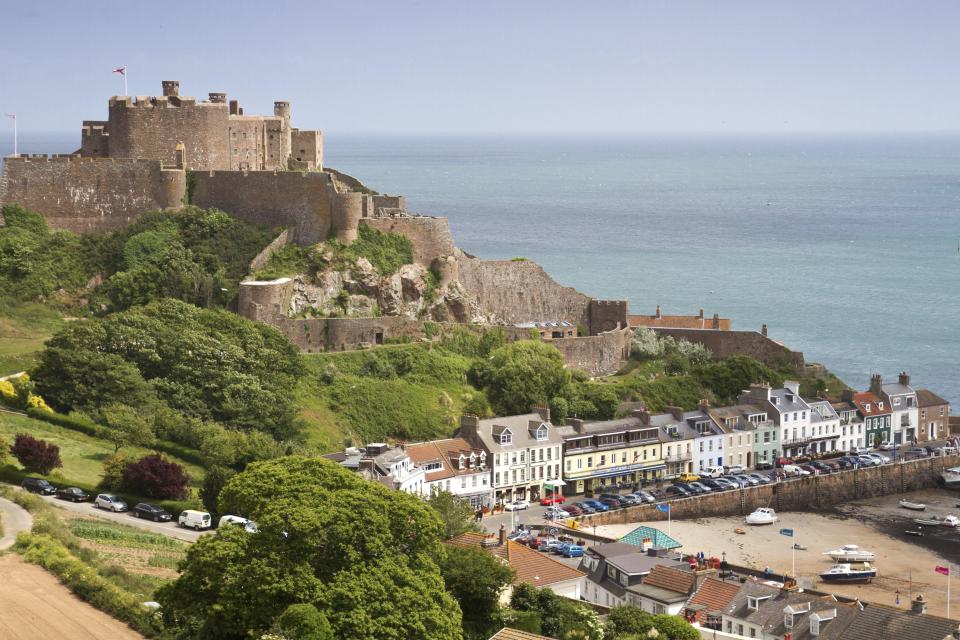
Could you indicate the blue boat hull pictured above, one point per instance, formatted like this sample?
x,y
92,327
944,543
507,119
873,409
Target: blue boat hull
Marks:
x,y
859,576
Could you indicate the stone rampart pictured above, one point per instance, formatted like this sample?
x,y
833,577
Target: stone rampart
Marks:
x,y
265,300
724,344
298,201
89,194
600,355
512,291
811,493
261,259
314,335
430,237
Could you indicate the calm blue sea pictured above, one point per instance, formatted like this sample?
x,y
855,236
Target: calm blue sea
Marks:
x,y
847,247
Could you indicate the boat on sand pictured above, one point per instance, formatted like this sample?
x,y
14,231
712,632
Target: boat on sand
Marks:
x,y
850,553
848,573
913,506
763,515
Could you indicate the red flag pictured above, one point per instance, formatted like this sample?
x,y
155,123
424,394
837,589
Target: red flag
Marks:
x,y
943,570
121,70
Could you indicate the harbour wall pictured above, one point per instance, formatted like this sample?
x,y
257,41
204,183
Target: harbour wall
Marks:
x,y
812,493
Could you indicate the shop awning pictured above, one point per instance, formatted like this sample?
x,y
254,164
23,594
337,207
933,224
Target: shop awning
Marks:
x,y
554,484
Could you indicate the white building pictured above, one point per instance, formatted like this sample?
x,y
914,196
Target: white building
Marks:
x,y
788,411
902,399
452,465
382,463
851,425
824,427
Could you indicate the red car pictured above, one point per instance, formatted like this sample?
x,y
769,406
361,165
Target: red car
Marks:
x,y
549,500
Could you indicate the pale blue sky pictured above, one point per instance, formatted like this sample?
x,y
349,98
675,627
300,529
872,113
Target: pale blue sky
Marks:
x,y
521,66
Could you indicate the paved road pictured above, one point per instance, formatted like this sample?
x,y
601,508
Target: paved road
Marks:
x,y
15,520
169,529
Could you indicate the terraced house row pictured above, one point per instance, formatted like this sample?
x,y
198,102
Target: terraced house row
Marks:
x,y
496,460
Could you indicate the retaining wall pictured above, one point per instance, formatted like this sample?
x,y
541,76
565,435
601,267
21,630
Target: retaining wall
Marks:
x,y
724,344
810,493
429,237
601,355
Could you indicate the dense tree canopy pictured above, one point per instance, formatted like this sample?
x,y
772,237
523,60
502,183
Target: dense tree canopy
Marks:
x,y
521,374
208,364
476,579
365,556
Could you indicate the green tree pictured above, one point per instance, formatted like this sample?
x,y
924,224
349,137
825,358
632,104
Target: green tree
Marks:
x,y
304,622
126,427
627,619
476,579
675,628
113,466
365,556
559,617
214,480
454,512
525,373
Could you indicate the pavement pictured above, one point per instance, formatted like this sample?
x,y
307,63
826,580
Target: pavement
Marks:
x,y
169,529
15,519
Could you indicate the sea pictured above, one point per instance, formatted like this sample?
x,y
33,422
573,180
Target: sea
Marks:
x,y
846,246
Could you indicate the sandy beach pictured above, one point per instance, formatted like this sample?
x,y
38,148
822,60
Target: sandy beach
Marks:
x,y
903,563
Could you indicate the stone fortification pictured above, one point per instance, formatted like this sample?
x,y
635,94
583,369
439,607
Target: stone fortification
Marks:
x,y
429,237
724,344
90,194
811,493
600,355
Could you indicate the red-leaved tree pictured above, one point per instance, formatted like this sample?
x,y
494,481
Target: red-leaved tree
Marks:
x,y
157,478
35,454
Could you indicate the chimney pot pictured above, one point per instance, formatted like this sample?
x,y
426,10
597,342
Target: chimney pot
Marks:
x,y
658,311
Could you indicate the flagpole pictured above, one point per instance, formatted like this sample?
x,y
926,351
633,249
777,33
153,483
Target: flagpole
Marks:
x,y
13,117
125,92
949,572
793,554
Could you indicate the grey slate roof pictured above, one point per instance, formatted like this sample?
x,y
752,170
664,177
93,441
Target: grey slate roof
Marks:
x,y
520,428
880,622
821,411
770,613
927,398
897,389
785,403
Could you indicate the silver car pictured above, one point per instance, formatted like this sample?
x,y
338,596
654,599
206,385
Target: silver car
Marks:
x,y
110,502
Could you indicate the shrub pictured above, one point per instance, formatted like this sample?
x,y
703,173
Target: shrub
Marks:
x,y
113,468
304,622
36,455
213,483
155,477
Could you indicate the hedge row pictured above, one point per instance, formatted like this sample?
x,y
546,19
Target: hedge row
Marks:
x,y
92,429
86,583
12,475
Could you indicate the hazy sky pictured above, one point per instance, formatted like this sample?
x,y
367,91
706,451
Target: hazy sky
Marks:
x,y
492,66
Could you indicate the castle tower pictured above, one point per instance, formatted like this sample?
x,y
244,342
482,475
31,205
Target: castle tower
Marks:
x,y
171,88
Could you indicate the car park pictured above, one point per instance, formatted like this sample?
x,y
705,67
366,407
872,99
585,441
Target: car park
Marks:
x,y
516,505
39,485
552,499
596,504
110,502
191,519
73,494
151,512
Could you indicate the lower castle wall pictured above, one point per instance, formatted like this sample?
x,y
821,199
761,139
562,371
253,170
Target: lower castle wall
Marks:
x,y
89,194
299,201
811,493
724,344
430,237
600,355
261,259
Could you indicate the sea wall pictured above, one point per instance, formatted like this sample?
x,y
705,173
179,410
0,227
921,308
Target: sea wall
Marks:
x,y
89,194
512,291
724,344
811,493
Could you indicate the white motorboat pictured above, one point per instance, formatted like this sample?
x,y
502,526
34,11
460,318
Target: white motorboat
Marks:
x,y
850,553
951,521
913,506
951,478
846,573
762,515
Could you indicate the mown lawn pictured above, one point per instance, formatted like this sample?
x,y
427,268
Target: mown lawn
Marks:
x,y
82,455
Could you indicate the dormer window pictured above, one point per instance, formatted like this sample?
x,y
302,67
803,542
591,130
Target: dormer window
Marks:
x,y
753,602
788,620
460,461
505,437
541,433
866,407
880,406
896,402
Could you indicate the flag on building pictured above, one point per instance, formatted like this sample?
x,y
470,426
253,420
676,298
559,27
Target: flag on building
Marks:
x,y
943,570
664,508
121,70
786,532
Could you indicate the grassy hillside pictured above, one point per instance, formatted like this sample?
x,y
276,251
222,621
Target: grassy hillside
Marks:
x,y
23,330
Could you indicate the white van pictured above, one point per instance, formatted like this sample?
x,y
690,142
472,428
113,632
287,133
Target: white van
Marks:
x,y
712,472
794,470
191,519
248,525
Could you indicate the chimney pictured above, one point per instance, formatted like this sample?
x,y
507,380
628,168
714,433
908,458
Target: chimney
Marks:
x,y
646,544
217,97
704,405
234,108
918,605
905,378
171,88
469,427
676,412
576,423
876,384
716,321
543,410
793,386
642,414
658,312
701,314
502,536
763,330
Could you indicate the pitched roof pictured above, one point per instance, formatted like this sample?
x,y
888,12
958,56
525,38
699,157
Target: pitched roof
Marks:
x,y
880,622
715,594
671,579
474,540
927,398
515,634
537,568
866,398
659,539
444,452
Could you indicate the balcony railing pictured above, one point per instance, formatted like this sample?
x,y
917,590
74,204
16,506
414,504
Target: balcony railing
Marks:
x,y
684,456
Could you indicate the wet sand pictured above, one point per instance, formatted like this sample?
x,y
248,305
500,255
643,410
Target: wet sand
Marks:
x,y
903,562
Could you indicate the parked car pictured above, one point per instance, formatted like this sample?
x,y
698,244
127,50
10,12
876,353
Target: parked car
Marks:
x,y
516,505
573,510
750,481
712,472
613,496
585,508
74,494
596,504
809,468
760,478
688,477
763,465
842,463
613,503
549,545
110,502
886,445
191,519
646,496
794,471
783,461
248,525
715,485
552,499
823,467
735,470
918,452
554,512
688,488
39,485
866,461
677,491
629,498
702,487
151,512
879,457
571,550
726,483
736,481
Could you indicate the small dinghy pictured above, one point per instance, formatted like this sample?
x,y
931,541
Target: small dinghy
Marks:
x,y
799,547
913,506
929,522
918,534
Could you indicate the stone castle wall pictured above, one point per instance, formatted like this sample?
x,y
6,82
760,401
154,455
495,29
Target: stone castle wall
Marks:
x,y
811,493
89,194
430,237
599,355
512,291
724,344
261,259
